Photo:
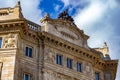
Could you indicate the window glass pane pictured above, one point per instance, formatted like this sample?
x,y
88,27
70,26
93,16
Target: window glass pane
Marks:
x,y
30,52
59,59
97,76
26,77
26,51
69,63
79,67
0,42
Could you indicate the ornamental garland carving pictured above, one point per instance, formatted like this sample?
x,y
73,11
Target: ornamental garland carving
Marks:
x,y
10,41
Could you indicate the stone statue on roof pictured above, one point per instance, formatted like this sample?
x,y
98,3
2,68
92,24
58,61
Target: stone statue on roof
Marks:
x,y
65,16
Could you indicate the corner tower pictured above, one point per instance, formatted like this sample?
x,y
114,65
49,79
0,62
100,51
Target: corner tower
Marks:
x,y
18,38
11,13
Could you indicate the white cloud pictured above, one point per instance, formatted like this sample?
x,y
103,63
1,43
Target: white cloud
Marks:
x,y
66,2
89,15
56,7
29,8
74,3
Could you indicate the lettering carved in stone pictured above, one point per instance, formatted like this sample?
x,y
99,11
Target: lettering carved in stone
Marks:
x,y
9,41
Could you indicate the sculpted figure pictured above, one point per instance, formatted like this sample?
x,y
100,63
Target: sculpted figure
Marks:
x,y
49,55
65,16
9,41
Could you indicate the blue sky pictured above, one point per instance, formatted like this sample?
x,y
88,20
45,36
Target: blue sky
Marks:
x,y
100,19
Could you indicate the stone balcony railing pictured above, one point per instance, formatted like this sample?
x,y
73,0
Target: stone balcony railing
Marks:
x,y
33,26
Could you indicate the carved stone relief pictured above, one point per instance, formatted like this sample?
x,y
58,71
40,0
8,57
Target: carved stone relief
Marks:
x,y
50,75
49,55
88,69
9,41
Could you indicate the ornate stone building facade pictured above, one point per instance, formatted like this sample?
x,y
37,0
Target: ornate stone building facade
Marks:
x,y
56,50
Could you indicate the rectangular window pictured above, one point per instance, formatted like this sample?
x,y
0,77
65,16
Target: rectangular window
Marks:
x,y
97,76
69,63
27,77
59,59
79,67
28,51
0,42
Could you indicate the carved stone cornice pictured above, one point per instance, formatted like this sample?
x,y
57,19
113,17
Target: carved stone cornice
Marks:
x,y
27,29
64,23
70,48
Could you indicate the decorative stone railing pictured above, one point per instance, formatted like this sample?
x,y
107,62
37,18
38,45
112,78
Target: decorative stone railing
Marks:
x,y
33,26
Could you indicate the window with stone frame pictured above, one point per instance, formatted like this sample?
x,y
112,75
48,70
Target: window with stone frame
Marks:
x,y
79,67
0,42
28,51
97,76
59,59
69,63
27,76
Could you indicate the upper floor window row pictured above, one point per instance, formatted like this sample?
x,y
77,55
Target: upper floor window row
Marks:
x,y
69,62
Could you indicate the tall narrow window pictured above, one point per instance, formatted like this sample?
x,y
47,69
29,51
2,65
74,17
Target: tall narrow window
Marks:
x,y
27,77
69,63
0,42
97,76
59,59
28,52
79,67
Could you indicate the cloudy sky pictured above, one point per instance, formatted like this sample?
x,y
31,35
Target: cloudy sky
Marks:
x,y
100,19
